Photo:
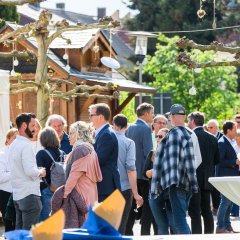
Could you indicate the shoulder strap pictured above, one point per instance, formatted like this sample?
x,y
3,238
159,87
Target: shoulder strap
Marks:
x,y
49,154
61,156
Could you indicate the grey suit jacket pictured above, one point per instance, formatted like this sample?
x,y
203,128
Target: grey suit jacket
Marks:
x,y
140,133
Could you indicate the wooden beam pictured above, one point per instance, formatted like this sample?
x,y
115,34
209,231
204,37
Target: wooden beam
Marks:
x,y
125,102
89,101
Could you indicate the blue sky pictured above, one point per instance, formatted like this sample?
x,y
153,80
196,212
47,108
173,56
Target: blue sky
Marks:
x,y
89,7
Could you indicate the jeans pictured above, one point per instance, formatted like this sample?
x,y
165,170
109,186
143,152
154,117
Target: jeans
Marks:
x,y
235,210
160,215
223,214
27,211
46,197
177,209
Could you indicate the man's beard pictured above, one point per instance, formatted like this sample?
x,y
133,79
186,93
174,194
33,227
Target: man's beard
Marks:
x,y
29,133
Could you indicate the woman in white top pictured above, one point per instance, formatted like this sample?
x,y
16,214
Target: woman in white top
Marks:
x,y
5,185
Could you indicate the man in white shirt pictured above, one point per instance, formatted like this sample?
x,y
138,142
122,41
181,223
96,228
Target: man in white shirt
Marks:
x,y
25,176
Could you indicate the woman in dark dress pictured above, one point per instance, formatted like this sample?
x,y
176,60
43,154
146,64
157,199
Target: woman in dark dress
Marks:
x,y
50,142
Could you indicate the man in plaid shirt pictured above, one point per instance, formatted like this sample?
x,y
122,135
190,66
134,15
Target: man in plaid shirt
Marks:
x,y
174,172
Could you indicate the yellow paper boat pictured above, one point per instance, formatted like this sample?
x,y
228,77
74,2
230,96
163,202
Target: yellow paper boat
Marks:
x,y
111,209
51,228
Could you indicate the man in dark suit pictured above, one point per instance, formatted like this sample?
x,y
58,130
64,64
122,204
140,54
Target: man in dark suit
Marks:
x,y
106,147
213,128
228,166
140,133
200,202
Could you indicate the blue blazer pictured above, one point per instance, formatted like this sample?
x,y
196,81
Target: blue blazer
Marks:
x,y
141,134
227,165
106,147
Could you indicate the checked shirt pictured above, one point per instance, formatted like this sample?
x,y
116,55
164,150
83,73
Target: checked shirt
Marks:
x,y
174,162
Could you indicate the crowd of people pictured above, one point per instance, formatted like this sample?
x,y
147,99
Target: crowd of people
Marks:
x,y
161,164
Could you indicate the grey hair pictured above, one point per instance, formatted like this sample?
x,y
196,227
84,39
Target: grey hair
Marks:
x,y
160,116
82,131
53,117
214,121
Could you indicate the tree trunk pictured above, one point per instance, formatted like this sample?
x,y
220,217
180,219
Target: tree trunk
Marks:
x,y
41,79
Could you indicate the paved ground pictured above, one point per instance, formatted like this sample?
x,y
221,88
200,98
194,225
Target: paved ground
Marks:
x,y
137,227
234,220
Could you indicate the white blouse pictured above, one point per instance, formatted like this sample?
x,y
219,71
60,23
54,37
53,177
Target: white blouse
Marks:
x,y
5,175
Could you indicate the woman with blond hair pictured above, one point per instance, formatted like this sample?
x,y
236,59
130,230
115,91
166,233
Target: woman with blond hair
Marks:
x,y
82,174
36,145
82,167
5,176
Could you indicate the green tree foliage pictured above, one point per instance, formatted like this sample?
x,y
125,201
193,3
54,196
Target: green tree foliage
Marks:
x,y
8,13
216,87
170,15
128,111
175,15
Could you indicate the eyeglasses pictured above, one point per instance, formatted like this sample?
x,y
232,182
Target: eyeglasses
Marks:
x,y
159,136
161,123
209,127
92,115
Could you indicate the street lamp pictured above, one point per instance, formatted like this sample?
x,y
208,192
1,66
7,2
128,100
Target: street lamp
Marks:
x,y
141,51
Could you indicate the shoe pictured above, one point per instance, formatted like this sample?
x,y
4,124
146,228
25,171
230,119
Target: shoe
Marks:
x,y
222,231
230,229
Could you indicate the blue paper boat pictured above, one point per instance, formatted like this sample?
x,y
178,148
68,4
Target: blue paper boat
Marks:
x,y
94,227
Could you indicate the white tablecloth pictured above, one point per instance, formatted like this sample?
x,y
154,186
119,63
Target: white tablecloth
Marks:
x,y
228,186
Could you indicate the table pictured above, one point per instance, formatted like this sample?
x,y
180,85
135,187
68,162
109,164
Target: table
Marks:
x,y
228,186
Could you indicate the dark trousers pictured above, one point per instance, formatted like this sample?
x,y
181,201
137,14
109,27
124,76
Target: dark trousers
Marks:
x,y
102,197
146,216
215,194
128,196
200,206
27,211
9,225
